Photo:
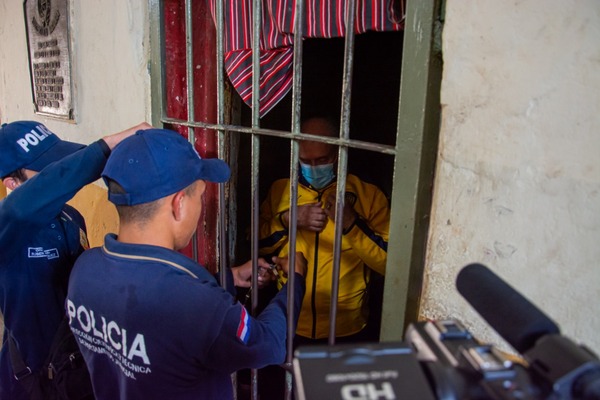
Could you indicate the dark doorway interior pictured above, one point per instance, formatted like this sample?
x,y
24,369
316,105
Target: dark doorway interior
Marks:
x,y
374,110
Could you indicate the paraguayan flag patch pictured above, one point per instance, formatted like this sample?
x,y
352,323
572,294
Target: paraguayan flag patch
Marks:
x,y
243,331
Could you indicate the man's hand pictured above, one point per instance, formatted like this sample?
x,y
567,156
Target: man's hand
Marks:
x,y
300,266
116,138
311,217
242,275
349,214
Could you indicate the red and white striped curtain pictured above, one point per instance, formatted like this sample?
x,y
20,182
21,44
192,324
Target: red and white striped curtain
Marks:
x,y
323,19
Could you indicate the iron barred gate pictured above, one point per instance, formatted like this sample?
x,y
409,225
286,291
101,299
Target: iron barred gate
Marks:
x,y
203,75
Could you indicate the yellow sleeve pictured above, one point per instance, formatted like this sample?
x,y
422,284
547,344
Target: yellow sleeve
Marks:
x,y
273,234
370,233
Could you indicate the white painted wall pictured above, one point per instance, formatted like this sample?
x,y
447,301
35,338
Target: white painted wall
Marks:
x,y
518,174
109,60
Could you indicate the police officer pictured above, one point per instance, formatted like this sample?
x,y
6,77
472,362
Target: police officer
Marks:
x,y
158,326
40,237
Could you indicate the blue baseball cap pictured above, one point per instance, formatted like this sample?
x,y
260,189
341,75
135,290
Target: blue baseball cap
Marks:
x,y
155,163
30,145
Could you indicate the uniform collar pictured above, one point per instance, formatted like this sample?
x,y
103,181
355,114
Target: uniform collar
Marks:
x,y
145,253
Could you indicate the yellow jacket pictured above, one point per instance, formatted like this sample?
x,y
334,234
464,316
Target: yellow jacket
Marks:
x,y
364,244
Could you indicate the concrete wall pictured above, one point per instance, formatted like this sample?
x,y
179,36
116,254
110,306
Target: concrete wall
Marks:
x,y
111,81
518,174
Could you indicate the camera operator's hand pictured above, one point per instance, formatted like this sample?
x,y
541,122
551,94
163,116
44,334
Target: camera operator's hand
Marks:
x,y
300,266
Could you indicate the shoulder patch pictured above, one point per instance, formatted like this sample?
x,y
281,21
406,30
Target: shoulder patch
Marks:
x,y
243,331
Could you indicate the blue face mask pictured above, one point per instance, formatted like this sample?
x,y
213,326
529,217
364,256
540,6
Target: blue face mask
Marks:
x,y
318,176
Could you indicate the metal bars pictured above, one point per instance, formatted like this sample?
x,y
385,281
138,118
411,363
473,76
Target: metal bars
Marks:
x,y
222,229
255,163
293,221
189,70
350,143
417,120
342,164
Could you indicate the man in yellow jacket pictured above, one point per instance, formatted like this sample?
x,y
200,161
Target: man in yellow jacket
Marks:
x,y
364,237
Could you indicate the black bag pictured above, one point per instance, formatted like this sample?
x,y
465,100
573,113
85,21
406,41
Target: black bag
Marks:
x,y
64,375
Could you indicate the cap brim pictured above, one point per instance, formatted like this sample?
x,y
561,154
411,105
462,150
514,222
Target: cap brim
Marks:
x,y
57,152
214,170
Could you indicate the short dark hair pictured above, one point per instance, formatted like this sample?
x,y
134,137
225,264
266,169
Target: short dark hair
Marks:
x,y
140,213
18,174
331,122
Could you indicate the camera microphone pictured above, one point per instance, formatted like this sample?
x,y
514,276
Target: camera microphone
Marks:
x,y
567,370
514,317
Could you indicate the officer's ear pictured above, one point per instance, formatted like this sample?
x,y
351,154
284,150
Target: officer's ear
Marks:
x,y
177,205
11,183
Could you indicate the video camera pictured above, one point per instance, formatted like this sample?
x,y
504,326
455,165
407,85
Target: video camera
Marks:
x,y
442,360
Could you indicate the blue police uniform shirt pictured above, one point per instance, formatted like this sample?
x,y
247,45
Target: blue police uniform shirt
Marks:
x,y
40,238
153,324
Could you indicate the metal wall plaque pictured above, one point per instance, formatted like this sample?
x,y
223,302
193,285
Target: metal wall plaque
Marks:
x,y
47,24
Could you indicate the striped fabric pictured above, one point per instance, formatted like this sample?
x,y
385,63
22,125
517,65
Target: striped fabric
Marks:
x,y
323,19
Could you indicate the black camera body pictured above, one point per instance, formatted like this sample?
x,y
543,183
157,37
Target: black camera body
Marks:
x,y
365,371
442,360
439,360
459,367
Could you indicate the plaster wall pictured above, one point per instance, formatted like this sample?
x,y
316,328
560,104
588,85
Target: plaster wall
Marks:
x,y
518,174
111,81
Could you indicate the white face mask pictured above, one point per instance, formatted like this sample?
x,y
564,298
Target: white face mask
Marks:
x,y
318,176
